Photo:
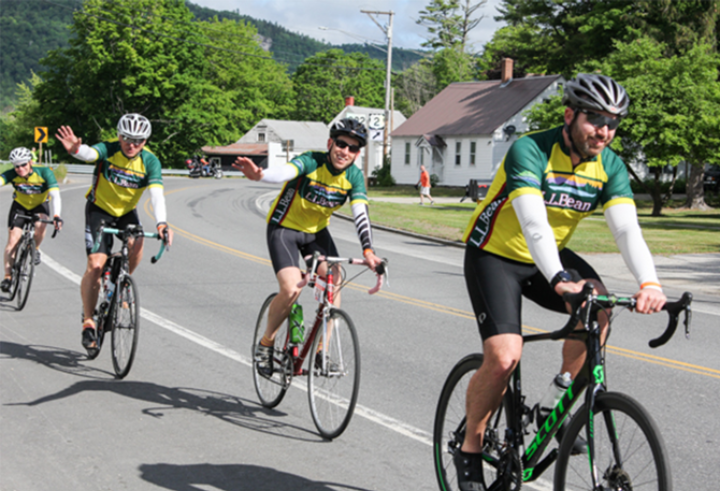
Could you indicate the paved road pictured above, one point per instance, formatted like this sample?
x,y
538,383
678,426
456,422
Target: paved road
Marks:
x,y
187,417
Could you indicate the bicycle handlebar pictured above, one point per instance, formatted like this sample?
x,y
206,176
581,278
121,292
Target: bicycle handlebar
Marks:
x,y
129,231
309,277
576,301
36,218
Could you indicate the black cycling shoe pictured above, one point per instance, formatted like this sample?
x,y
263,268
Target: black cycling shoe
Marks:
x,y
469,471
332,367
5,285
89,339
264,360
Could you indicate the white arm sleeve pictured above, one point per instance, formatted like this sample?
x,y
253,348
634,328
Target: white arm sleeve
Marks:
x,y
362,225
532,215
279,174
56,203
158,202
86,153
623,223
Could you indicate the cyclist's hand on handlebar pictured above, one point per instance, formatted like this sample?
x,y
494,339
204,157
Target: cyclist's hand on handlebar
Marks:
x,y
372,260
569,287
166,234
649,300
58,222
248,167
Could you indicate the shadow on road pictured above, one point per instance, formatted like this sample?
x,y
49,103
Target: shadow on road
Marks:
x,y
233,477
162,399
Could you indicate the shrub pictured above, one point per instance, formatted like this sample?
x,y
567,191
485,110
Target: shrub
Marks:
x,y
383,175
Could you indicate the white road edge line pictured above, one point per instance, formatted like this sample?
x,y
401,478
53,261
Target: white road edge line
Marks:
x,y
370,414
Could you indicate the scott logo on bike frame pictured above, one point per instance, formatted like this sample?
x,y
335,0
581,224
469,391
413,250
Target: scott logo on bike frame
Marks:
x,y
557,414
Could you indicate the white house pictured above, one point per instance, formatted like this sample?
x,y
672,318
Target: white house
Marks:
x,y
464,132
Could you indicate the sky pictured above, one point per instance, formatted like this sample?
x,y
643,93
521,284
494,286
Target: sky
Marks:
x,y
346,24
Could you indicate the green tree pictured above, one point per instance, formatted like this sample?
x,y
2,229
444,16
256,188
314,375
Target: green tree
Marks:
x,y
323,81
449,22
199,84
452,65
414,87
675,109
17,128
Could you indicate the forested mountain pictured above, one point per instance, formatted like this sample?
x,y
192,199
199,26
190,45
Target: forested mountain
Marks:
x,y
30,28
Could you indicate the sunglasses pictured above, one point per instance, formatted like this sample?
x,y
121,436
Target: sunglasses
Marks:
x,y
133,141
343,144
19,166
599,120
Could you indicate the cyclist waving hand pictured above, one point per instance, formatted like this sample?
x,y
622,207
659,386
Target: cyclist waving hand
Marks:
x,y
316,185
124,169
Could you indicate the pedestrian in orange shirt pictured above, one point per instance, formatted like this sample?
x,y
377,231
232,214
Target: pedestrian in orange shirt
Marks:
x,y
424,183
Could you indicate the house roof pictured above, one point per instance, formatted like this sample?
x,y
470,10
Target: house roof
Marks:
x,y
238,149
305,134
474,108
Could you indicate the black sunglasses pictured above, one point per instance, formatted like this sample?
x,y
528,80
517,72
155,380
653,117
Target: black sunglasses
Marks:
x,y
133,141
598,120
21,165
344,144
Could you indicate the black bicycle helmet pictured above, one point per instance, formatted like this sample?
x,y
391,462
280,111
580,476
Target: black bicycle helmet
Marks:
x,y
350,127
597,93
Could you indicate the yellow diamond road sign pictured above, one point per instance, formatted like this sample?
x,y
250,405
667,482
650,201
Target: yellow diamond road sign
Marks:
x,y
41,134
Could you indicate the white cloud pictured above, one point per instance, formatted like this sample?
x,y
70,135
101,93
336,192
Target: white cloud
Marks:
x,y
346,24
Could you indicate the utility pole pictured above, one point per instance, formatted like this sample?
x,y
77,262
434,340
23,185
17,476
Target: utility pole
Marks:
x,y
388,33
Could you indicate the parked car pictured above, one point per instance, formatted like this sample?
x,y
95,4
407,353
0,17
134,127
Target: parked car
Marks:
x,y
711,179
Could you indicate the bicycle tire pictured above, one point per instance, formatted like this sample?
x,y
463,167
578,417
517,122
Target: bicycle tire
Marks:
x,y
334,382
449,428
640,445
25,263
125,326
271,390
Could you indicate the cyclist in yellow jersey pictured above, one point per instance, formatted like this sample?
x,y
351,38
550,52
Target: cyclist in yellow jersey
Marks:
x,y
33,186
124,169
316,185
516,244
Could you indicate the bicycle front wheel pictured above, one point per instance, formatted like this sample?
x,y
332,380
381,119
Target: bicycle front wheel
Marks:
x,y
271,390
24,268
501,466
629,453
125,326
334,375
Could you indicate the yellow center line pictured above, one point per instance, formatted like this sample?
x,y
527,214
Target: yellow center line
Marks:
x,y
443,309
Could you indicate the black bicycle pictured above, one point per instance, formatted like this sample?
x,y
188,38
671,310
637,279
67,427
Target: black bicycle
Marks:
x,y
118,305
625,450
23,268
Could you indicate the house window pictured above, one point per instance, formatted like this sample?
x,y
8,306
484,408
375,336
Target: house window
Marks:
x,y
261,137
421,156
407,153
473,147
458,151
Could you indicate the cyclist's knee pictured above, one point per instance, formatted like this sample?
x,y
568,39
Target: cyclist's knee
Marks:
x,y
95,264
502,354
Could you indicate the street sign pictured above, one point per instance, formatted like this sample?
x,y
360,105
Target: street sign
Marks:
x,y
377,135
41,134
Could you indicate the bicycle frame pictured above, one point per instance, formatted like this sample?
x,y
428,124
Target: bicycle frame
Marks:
x,y
591,379
326,300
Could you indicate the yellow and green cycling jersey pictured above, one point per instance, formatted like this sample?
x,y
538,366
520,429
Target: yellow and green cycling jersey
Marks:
x,y
307,202
119,182
30,191
539,163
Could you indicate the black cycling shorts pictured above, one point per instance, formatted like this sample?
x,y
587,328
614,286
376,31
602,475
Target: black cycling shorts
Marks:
x,y
94,215
496,286
18,209
287,246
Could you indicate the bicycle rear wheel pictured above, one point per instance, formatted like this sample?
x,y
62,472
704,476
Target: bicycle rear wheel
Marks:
x,y
271,390
24,268
449,432
125,326
334,375
629,451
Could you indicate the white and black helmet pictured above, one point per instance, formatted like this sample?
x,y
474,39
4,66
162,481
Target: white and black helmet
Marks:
x,y
134,126
20,155
597,93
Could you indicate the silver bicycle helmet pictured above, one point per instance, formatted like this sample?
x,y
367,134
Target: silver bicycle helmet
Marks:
x,y
597,93
20,155
134,126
